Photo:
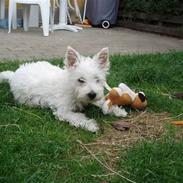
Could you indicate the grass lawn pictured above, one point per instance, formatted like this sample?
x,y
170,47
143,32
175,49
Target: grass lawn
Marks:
x,y
35,147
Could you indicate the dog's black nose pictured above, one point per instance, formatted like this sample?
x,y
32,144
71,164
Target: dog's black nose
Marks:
x,y
92,95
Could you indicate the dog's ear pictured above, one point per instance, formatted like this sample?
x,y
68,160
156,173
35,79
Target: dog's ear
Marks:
x,y
102,57
71,57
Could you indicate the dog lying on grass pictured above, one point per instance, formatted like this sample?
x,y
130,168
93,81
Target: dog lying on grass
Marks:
x,y
66,91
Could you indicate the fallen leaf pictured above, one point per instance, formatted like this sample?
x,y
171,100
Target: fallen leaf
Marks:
x,y
178,123
178,95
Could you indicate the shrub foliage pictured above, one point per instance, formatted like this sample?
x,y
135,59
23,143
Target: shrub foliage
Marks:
x,y
162,7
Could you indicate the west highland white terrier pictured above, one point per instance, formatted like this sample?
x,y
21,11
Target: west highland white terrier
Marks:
x,y
66,91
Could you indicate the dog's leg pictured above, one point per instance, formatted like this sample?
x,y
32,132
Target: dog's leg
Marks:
x,y
118,111
76,119
114,109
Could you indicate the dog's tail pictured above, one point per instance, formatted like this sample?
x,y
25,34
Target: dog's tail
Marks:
x,y
6,76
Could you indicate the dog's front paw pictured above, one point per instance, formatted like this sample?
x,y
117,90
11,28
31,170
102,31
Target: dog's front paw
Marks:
x,y
106,108
119,112
92,125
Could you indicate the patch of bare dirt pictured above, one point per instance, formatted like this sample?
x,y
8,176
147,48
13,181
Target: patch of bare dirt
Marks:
x,y
122,134
138,126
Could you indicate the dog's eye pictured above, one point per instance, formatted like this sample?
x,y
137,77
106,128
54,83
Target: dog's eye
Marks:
x,y
81,80
97,80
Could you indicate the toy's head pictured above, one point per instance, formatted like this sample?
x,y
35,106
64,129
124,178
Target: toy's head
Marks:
x,y
140,101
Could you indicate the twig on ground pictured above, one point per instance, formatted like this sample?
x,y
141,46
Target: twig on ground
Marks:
x,y
10,125
173,117
30,113
137,117
104,165
103,175
102,143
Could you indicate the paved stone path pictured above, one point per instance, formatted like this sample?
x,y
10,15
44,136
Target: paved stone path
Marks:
x,y
29,45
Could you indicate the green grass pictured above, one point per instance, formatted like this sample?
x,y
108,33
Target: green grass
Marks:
x,y
35,147
155,161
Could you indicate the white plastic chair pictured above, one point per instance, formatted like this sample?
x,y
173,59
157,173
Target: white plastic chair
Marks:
x,y
45,14
84,11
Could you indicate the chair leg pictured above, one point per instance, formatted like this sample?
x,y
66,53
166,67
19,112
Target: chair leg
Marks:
x,y
69,17
77,10
45,14
14,18
84,11
52,17
26,15
11,14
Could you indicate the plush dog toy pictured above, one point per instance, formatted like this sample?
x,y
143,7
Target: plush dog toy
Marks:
x,y
124,96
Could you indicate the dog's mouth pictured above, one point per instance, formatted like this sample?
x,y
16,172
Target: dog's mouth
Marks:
x,y
87,100
89,97
93,100
97,98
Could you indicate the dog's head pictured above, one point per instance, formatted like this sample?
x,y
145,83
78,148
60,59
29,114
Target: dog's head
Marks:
x,y
87,75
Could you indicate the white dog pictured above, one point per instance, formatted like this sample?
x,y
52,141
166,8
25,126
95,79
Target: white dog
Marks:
x,y
66,91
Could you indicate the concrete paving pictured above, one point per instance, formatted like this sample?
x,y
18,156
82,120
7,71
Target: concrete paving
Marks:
x,y
30,45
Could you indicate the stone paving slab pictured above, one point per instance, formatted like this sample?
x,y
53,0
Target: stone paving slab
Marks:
x,y
32,45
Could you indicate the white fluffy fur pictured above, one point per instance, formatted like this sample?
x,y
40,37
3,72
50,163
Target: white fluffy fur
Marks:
x,y
66,90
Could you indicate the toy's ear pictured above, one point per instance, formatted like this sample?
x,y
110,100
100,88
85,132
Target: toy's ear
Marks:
x,y
142,96
102,58
72,57
140,101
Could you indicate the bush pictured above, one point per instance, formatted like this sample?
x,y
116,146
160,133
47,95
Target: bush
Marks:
x,y
162,7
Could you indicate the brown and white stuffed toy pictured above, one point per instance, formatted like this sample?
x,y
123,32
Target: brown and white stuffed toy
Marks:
x,y
124,96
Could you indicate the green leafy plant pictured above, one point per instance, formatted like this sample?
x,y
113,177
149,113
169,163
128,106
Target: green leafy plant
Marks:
x,y
162,7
